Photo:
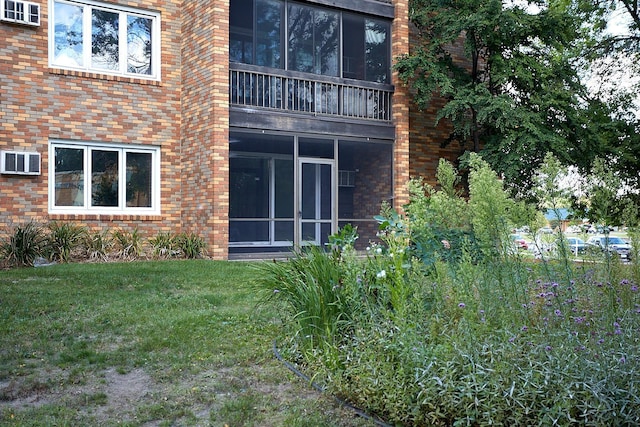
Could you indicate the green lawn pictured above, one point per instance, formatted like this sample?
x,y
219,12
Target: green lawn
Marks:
x,y
147,343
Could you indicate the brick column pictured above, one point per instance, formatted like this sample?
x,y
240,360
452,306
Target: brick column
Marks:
x,y
401,101
205,122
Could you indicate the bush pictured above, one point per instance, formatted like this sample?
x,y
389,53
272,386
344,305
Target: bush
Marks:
x,y
24,244
483,337
165,245
63,239
98,245
128,244
191,245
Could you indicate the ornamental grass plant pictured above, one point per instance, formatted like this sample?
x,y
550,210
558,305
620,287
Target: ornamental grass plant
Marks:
x,y
444,323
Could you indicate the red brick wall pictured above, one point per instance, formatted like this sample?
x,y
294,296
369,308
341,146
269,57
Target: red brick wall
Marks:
x,y
205,101
38,103
426,138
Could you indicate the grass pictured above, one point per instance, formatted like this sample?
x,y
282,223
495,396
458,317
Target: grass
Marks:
x,y
147,343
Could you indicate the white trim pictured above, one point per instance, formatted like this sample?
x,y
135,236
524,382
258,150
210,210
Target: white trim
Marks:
x,y
123,11
122,150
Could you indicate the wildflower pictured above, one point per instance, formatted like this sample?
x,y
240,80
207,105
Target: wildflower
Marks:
x,y
548,348
558,313
461,305
634,288
368,248
524,328
276,291
381,274
623,359
512,339
378,250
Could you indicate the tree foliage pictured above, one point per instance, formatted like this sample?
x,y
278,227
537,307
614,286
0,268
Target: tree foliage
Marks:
x,y
515,91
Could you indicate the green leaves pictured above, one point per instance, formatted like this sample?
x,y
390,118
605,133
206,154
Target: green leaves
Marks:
x,y
510,79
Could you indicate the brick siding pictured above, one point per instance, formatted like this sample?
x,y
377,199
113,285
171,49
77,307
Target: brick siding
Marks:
x,y
39,103
186,114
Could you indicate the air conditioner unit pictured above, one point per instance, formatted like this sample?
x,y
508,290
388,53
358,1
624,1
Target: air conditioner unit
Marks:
x,y
19,163
20,12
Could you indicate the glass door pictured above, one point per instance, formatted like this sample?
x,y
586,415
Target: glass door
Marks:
x,y
316,195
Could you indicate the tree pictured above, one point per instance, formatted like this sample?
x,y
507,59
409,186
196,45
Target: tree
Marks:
x,y
516,92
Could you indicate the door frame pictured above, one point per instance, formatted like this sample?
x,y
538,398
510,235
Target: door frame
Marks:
x,y
299,221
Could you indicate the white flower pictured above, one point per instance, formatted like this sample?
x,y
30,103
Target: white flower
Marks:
x,y
379,251
381,274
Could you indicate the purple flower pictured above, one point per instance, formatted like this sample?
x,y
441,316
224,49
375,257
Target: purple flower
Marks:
x,y
623,359
548,348
634,288
461,305
524,328
512,339
558,313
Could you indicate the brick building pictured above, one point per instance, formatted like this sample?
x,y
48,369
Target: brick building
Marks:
x,y
256,124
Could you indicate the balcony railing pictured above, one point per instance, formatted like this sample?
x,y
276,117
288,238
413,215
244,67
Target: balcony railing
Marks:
x,y
319,95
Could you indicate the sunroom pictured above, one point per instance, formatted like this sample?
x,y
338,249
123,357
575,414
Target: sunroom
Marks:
x,y
311,136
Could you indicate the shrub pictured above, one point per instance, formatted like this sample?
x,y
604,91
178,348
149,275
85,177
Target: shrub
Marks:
x,y
191,245
128,244
63,239
98,245
472,339
165,245
24,244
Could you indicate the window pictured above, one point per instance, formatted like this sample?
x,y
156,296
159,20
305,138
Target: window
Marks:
x,y
366,55
318,40
261,185
268,33
98,37
313,40
96,178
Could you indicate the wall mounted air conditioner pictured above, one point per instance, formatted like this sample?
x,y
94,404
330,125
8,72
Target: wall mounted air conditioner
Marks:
x,y
19,163
20,12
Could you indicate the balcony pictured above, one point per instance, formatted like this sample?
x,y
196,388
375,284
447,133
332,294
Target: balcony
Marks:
x,y
305,94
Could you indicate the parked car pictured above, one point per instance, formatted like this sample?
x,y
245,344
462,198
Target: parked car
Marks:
x,y
576,245
519,242
545,230
613,244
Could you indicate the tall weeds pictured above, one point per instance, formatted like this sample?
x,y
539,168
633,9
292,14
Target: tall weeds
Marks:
x,y
444,323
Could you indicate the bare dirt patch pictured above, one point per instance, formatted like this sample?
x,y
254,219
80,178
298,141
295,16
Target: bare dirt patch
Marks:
x,y
196,399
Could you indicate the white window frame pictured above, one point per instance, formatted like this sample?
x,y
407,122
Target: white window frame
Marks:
x,y
123,11
122,208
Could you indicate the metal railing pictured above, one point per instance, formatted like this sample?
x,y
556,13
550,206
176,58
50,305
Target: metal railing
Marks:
x,y
297,92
